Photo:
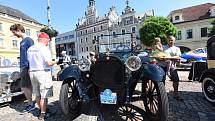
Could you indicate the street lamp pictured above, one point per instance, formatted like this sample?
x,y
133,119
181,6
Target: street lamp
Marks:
x,y
48,13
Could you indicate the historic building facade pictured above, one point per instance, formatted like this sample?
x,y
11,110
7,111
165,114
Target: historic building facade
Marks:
x,y
92,28
193,24
67,42
9,44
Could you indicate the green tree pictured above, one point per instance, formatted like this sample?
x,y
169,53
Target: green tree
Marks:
x,y
50,31
156,27
212,32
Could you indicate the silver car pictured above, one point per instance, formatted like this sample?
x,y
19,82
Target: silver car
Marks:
x,y
9,83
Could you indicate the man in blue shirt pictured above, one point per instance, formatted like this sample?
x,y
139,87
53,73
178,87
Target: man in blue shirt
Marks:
x,y
19,31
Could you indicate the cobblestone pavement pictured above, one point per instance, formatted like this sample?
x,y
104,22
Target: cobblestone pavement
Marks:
x,y
193,108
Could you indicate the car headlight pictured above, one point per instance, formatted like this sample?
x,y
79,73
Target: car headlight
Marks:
x,y
84,64
133,63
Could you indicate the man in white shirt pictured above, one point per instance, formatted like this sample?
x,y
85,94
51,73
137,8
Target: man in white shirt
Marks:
x,y
66,60
175,53
40,62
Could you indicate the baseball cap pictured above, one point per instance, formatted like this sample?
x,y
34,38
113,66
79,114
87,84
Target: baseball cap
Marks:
x,y
43,35
63,52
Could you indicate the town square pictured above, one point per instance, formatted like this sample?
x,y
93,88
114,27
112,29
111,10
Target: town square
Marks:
x,y
138,61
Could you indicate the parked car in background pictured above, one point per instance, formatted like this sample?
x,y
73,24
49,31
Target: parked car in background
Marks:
x,y
184,49
10,84
199,54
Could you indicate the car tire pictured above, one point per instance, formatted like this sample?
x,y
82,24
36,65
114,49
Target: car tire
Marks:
x,y
155,90
70,100
208,88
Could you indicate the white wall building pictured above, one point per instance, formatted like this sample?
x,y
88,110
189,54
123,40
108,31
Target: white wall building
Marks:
x,y
92,27
67,41
193,24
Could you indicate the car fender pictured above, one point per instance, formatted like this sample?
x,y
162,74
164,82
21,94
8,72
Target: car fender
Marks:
x,y
70,72
210,71
153,72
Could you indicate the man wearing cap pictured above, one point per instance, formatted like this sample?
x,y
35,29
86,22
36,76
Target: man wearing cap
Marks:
x,y
19,31
40,63
92,57
66,60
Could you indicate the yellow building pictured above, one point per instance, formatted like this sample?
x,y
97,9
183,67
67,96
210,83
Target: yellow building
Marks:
x,y
9,44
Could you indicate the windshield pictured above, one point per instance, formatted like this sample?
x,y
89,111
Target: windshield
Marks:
x,y
115,43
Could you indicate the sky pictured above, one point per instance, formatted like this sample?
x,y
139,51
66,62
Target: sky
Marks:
x,y
65,13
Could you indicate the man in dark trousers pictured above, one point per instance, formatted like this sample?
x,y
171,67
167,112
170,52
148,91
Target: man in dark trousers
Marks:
x,y
19,31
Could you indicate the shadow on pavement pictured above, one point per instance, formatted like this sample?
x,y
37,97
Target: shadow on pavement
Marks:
x,y
189,108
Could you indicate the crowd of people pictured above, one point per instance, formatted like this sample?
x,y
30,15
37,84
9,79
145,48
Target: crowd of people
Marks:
x,y
36,62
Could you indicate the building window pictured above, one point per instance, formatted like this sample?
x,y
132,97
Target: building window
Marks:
x,y
86,39
15,43
204,32
86,31
1,42
81,33
102,36
177,17
101,27
189,33
81,40
114,34
133,29
28,32
87,49
94,29
0,26
82,49
37,32
65,37
179,35
123,31
71,36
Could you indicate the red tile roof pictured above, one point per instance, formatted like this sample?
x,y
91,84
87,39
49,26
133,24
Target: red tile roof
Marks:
x,y
195,12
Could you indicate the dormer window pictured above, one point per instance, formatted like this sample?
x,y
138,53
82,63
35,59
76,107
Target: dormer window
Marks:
x,y
212,12
177,18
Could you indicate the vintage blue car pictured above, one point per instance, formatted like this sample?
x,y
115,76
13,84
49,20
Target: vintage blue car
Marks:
x,y
199,54
111,79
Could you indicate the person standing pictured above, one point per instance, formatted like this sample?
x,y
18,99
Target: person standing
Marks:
x,y
175,53
40,62
92,57
65,59
19,31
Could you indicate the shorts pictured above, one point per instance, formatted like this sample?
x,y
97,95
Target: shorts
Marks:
x,y
25,78
42,83
173,73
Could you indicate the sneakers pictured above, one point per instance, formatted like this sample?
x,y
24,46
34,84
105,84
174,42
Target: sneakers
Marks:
x,y
42,116
29,108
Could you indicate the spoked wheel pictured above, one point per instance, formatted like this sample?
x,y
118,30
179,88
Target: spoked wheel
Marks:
x,y
208,88
70,99
155,100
